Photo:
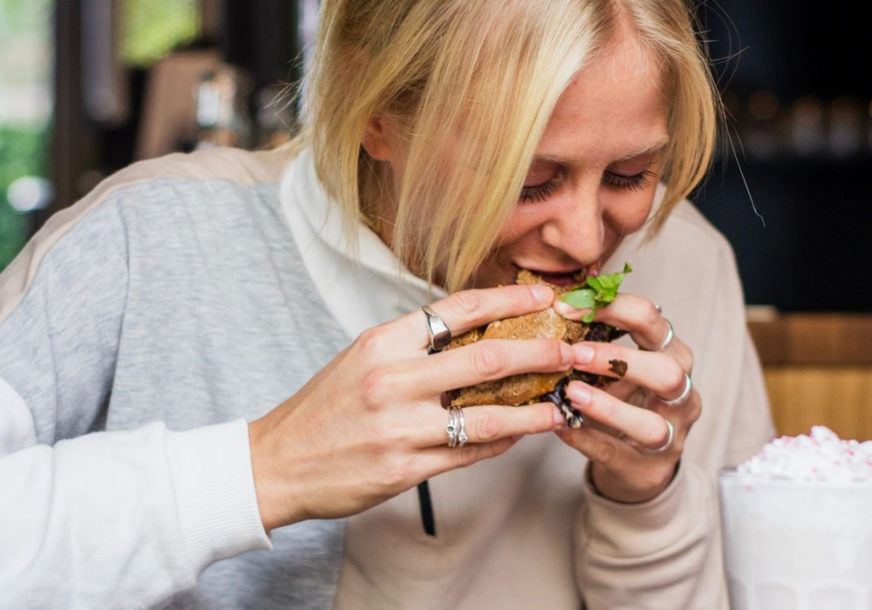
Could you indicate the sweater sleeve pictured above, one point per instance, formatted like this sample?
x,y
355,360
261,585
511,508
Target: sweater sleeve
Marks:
x,y
650,555
99,519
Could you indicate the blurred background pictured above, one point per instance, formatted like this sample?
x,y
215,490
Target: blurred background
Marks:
x,y
89,86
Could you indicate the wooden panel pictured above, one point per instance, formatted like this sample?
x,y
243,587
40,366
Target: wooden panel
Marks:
x,y
837,397
813,339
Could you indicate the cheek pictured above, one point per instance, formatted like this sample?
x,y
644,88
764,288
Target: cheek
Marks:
x,y
625,212
520,223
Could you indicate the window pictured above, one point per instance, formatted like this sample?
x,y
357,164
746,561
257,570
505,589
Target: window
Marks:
x,y
25,117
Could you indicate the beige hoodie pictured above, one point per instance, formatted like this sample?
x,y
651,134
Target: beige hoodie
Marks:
x,y
524,530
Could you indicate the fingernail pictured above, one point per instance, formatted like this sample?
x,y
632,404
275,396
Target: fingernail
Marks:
x,y
564,309
543,294
583,354
557,416
579,395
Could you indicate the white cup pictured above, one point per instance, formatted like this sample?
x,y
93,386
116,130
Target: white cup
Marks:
x,y
796,545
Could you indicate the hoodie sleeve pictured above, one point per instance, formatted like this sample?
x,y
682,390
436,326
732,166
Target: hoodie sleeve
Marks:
x,y
99,519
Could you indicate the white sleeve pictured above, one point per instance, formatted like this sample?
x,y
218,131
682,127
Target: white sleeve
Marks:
x,y
119,519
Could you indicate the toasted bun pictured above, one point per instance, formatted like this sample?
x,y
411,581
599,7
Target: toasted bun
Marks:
x,y
531,387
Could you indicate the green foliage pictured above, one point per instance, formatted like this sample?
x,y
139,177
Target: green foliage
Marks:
x,y
600,291
23,152
151,28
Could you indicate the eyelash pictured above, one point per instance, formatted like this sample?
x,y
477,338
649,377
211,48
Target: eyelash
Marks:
x,y
635,182
538,192
541,192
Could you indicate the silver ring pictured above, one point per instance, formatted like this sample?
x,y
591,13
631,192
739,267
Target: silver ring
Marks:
x,y
688,386
438,331
670,437
659,308
670,334
456,427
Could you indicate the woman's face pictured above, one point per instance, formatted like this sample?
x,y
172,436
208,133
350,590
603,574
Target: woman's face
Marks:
x,y
593,177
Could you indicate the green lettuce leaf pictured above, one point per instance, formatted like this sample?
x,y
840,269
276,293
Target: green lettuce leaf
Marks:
x,y
599,292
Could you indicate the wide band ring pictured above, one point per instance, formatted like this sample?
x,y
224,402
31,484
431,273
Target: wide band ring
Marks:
x,y
456,427
670,335
685,393
437,330
670,438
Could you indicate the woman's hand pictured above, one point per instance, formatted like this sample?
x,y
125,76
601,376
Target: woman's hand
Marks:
x,y
626,424
370,424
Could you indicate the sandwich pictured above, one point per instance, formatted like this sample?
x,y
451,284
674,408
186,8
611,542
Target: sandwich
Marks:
x,y
527,388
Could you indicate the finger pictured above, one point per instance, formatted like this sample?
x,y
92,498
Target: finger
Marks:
x,y
601,445
436,460
487,424
468,309
596,445
687,412
661,373
618,470
644,427
471,364
636,314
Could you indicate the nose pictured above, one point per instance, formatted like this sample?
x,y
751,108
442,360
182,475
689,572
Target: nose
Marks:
x,y
576,228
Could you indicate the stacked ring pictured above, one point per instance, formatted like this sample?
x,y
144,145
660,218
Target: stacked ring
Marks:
x,y
456,427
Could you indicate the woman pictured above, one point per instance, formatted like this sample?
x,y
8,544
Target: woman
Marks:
x,y
203,310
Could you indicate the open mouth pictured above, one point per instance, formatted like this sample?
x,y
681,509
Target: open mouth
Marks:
x,y
570,277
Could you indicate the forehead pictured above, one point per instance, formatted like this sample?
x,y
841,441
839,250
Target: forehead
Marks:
x,y
612,108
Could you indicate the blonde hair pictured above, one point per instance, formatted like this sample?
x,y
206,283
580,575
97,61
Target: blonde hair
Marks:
x,y
475,82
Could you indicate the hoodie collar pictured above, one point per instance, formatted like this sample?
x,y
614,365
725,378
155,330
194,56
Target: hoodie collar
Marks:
x,y
363,287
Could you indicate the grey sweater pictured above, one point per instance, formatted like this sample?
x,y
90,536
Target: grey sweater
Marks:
x,y
178,299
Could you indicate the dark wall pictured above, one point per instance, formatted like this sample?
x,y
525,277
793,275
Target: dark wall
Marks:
x,y
798,88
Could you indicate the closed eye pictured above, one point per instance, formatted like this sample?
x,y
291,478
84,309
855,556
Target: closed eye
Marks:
x,y
632,182
538,192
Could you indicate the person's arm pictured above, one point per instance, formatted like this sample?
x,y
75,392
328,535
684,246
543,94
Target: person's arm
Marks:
x,y
666,553
101,519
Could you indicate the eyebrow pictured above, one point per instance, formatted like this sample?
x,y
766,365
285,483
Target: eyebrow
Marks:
x,y
648,150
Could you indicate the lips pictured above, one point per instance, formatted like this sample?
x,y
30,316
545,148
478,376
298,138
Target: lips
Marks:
x,y
565,277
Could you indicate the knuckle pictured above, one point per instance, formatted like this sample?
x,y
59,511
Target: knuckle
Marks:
x,y
650,313
604,451
488,359
466,301
696,408
659,434
554,352
377,386
371,341
686,358
674,375
487,428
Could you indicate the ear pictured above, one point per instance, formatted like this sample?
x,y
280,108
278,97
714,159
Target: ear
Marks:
x,y
378,139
